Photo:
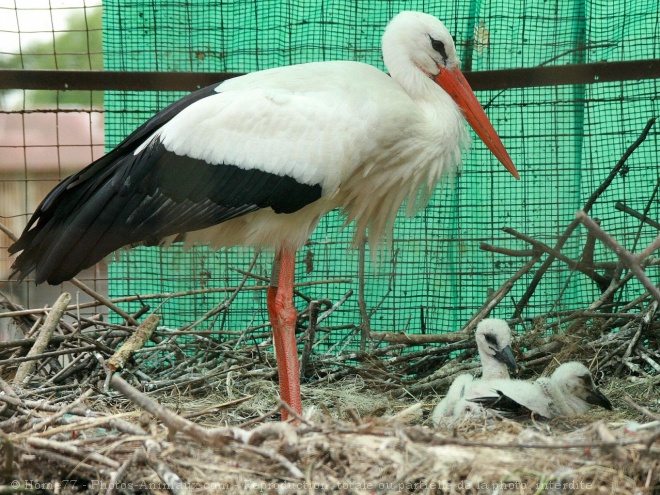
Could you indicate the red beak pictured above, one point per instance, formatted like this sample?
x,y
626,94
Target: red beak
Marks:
x,y
454,83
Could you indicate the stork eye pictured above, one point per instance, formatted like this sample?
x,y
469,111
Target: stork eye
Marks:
x,y
490,339
588,381
439,47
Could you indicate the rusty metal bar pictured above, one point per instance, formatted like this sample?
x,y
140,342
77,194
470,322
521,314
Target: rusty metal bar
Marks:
x,y
188,81
558,75
83,80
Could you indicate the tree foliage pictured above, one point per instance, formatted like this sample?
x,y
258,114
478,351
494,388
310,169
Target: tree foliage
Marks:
x,y
77,47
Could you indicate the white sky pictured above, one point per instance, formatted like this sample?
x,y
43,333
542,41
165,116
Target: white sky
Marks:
x,y
23,22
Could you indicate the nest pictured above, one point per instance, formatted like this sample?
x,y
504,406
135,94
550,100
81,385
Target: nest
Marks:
x,y
103,443
201,415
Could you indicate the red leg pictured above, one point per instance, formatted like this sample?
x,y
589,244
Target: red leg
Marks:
x,y
282,315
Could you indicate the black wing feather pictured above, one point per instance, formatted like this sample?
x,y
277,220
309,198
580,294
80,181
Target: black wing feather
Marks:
x,y
125,198
505,405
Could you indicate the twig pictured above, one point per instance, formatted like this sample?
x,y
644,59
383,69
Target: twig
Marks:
x,y
118,475
573,265
495,299
419,339
224,305
335,306
134,342
24,322
309,336
214,437
633,213
71,450
103,300
53,458
650,249
41,405
62,411
588,252
634,367
272,454
45,334
538,276
261,418
283,431
641,409
79,425
292,413
92,304
68,370
522,253
647,317
646,357
606,183
266,279
217,407
524,300
624,255
37,357
169,477
8,232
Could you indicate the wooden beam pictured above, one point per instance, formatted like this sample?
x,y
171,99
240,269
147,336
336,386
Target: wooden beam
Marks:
x,y
69,80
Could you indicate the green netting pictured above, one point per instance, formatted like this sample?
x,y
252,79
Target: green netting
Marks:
x,y
564,141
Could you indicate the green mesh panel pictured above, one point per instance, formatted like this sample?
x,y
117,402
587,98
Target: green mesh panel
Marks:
x,y
564,141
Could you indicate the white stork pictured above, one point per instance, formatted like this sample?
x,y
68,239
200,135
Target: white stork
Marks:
x,y
493,337
257,160
570,390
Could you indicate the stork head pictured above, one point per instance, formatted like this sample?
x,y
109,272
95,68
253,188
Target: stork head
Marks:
x,y
575,380
423,42
493,338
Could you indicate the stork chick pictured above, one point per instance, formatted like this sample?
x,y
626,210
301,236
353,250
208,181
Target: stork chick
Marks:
x,y
493,337
569,391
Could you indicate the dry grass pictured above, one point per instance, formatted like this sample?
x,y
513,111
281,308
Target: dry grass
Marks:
x,y
357,438
380,449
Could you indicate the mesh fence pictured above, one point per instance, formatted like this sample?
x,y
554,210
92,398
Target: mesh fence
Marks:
x,y
434,276
45,134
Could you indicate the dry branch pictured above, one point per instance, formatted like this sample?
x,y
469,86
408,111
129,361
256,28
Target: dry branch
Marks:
x,y
585,268
45,334
31,312
218,436
500,294
365,324
418,339
104,301
573,225
135,342
71,450
624,255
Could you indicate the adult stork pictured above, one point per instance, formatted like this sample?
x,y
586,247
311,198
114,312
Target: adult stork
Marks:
x,y
257,160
